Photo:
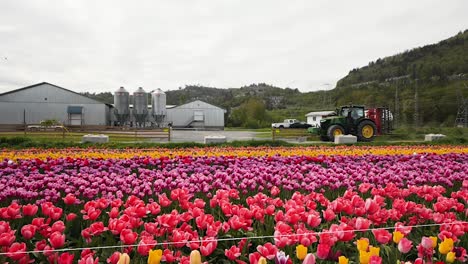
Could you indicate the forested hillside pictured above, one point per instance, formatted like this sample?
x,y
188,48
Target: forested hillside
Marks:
x,y
438,71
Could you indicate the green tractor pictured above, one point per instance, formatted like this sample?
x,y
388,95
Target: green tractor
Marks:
x,y
349,119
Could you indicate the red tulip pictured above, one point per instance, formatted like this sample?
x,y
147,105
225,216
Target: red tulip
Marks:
x,y
382,235
208,245
405,245
323,250
114,258
70,217
7,238
28,231
375,260
328,215
66,258
4,227
92,214
89,259
145,245
114,212
268,250
16,251
55,213
164,201
57,239
371,206
274,191
232,253
128,237
58,226
30,209
116,226
254,257
70,199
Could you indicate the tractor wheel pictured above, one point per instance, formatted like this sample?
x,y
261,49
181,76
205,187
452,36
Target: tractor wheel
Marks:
x,y
335,130
366,131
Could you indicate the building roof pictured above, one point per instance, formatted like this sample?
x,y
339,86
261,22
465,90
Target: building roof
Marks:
x,y
42,83
199,101
319,113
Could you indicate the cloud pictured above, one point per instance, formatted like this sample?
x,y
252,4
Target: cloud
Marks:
x,y
98,46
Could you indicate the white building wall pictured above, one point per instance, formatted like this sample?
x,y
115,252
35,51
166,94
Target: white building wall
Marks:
x,y
47,101
316,122
183,115
14,113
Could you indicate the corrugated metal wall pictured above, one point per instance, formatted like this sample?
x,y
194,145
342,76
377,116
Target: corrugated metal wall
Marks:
x,y
182,115
48,102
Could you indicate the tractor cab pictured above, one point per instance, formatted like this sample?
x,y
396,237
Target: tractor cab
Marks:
x,y
353,112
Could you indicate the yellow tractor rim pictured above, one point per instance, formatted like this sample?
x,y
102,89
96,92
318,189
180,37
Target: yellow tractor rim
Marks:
x,y
337,132
367,131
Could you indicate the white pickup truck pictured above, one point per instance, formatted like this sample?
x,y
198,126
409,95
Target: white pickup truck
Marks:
x,y
286,123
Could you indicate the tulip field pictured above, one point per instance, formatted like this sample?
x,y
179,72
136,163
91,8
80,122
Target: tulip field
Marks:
x,y
345,204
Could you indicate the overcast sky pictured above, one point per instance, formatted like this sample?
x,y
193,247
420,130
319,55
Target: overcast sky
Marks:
x,y
98,46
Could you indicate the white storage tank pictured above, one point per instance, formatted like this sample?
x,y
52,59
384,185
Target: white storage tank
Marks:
x,y
122,105
140,106
158,104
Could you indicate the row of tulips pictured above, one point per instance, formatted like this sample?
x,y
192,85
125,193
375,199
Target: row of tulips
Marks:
x,y
311,151
48,180
420,224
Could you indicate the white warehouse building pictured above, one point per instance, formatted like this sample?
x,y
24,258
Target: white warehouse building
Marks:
x,y
196,114
42,101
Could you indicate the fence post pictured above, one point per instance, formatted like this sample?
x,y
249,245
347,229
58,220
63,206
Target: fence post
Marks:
x,y
273,133
63,132
135,134
169,134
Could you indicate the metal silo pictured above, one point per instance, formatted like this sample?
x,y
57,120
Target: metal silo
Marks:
x,y
122,105
140,106
158,104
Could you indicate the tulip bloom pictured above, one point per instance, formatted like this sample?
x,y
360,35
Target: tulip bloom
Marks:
x,y
446,246
309,259
195,257
397,236
124,259
57,239
450,258
155,256
343,260
262,260
301,252
405,245
362,244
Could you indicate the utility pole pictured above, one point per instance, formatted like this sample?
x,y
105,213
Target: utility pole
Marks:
x,y
396,115
462,113
416,98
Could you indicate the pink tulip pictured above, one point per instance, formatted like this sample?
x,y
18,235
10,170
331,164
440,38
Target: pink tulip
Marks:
x,y
309,259
405,245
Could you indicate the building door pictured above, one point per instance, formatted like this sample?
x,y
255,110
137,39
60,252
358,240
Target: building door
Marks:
x,y
198,115
75,119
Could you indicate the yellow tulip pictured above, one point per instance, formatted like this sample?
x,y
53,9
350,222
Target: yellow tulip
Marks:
x,y
364,257
195,257
343,260
154,256
397,236
262,260
362,244
450,257
301,252
374,251
446,246
434,241
124,259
